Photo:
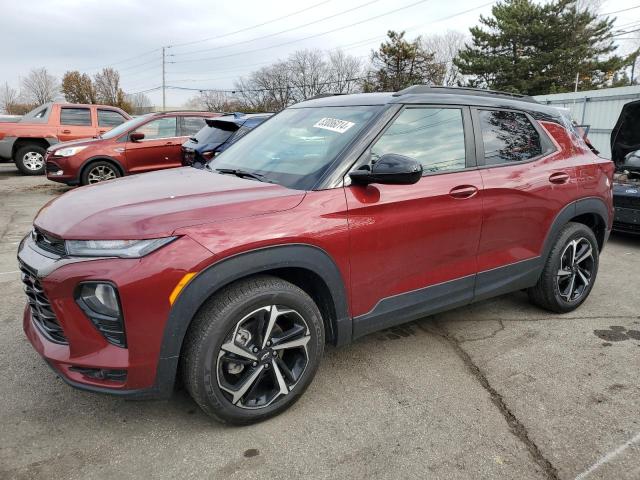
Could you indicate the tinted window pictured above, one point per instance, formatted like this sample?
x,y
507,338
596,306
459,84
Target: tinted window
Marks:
x,y
213,135
508,137
109,118
164,127
75,116
192,125
432,136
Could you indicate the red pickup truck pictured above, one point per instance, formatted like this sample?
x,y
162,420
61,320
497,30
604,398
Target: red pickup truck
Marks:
x,y
26,140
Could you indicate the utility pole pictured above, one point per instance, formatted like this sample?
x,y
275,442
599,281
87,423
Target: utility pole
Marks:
x,y
163,82
576,89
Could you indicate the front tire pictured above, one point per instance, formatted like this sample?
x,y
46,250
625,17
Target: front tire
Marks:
x,y
99,171
569,272
252,350
30,159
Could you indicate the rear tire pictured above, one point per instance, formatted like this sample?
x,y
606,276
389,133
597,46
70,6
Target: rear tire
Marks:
x,y
569,272
99,171
30,159
252,350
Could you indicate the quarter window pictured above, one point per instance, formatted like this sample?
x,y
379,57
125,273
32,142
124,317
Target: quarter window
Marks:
x,y
164,127
109,118
433,136
508,137
75,116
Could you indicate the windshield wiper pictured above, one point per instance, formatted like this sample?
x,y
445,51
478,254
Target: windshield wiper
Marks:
x,y
193,139
241,173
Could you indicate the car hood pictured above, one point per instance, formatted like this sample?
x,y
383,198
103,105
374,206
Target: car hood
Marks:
x,y
155,204
75,143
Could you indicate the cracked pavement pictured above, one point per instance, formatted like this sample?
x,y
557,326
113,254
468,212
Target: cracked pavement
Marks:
x,y
499,389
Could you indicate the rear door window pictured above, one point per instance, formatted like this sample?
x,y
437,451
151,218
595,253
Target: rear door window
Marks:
x,y
109,118
75,116
191,125
508,137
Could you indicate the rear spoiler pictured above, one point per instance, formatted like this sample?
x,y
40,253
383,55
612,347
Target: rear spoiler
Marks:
x,y
227,125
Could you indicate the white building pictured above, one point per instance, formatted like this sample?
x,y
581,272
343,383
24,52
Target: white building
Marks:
x,y
598,108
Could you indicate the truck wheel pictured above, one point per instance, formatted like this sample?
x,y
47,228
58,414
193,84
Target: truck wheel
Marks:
x,y
99,172
252,350
570,271
30,159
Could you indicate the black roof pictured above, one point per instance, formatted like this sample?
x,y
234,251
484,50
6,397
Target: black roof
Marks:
x,y
425,94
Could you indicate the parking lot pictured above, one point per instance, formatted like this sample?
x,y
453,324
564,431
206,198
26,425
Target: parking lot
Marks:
x,y
499,389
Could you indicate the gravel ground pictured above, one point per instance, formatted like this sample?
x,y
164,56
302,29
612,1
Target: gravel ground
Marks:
x,y
499,389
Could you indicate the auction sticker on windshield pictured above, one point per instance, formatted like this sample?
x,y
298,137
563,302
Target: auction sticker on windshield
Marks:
x,y
334,124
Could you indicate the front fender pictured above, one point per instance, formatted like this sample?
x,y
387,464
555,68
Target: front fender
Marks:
x,y
228,270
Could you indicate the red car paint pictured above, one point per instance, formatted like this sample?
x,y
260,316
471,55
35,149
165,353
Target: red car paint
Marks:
x,y
129,157
385,240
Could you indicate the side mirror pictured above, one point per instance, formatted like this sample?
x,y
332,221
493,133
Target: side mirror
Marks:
x,y
390,169
136,136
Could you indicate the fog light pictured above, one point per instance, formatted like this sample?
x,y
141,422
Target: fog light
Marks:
x,y
100,303
57,173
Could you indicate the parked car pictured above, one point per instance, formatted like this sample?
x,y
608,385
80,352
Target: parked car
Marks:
x,y
145,143
26,140
218,134
338,217
625,152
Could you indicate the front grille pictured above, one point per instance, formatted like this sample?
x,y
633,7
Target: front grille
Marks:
x,y
49,243
626,201
41,311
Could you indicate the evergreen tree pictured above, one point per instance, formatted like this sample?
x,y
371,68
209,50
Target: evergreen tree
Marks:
x,y
535,49
398,64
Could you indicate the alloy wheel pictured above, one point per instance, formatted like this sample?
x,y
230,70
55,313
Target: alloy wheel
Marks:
x,y
100,173
33,161
265,355
576,269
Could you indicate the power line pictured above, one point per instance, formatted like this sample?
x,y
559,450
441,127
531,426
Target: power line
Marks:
x,y
618,11
305,38
251,27
281,31
123,61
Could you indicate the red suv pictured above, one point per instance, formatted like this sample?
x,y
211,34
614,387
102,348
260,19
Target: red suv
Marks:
x,y
338,217
149,142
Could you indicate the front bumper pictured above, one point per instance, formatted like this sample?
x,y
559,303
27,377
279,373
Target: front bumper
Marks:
x,y
144,286
626,220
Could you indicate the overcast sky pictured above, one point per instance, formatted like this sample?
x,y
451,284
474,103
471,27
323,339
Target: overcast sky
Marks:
x,y
214,42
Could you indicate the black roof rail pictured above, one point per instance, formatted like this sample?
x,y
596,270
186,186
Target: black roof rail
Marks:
x,y
418,89
324,95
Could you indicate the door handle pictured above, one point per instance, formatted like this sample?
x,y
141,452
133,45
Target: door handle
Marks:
x,y
66,131
559,177
463,191
102,131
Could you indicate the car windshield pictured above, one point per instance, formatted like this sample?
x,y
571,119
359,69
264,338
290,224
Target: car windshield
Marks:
x,y
297,146
125,127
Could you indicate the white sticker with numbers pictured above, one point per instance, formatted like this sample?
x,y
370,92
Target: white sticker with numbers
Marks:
x,y
334,124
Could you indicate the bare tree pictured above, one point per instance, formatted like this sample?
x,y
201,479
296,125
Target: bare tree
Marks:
x,y
345,72
8,99
216,101
302,75
39,87
139,102
107,86
444,48
309,74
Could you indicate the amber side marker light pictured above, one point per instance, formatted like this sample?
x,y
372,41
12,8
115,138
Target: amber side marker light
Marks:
x,y
180,285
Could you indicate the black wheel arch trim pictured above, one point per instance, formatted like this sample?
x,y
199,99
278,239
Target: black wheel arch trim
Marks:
x,y
593,205
221,273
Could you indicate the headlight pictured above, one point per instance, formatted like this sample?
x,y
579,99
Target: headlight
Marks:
x,y
115,248
101,298
68,151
